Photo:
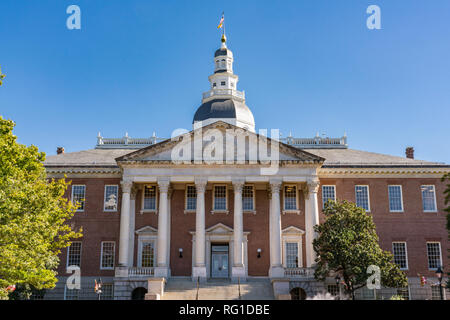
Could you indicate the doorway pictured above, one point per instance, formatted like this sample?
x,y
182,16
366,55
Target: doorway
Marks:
x,y
219,261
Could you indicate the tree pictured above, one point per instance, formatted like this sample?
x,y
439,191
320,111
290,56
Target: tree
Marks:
x,y
447,202
347,244
2,76
33,216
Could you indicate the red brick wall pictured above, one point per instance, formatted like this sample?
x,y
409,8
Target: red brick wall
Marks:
x,y
97,226
413,225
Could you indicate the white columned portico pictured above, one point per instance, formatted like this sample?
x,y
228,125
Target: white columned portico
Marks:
x,y
276,268
124,241
199,269
238,269
162,267
311,219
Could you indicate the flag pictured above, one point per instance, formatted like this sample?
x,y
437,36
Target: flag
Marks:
x,y
221,22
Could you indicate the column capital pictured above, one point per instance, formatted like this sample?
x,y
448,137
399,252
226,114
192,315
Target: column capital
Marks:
x,y
238,184
275,185
313,186
163,184
200,184
126,186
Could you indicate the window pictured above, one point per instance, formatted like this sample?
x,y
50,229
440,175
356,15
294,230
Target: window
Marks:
x,y
248,198
403,292
400,255
291,255
111,195
428,198
333,289
150,198
222,83
395,199
328,193
191,198
71,294
220,197
74,254
362,197
434,255
148,254
79,195
290,198
107,291
107,254
214,85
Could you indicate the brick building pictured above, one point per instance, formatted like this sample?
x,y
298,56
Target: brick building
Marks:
x,y
214,203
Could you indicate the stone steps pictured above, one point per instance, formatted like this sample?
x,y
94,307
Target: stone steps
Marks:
x,y
186,289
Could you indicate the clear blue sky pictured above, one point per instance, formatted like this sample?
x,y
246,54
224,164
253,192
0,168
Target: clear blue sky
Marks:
x,y
141,66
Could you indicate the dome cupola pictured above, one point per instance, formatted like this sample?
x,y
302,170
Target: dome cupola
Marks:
x,y
223,102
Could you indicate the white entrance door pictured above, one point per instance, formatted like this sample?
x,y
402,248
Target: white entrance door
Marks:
x,y
219,261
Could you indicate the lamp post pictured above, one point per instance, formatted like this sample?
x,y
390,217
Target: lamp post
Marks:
x,y
439,274
338,283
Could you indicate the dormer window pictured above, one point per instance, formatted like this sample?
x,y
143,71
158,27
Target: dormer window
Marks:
x,y
222,83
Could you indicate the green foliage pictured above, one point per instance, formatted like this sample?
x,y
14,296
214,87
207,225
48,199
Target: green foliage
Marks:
x,y
2,76
347,244
396,297
33,216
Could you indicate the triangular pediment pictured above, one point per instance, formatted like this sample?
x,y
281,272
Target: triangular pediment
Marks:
x,y
291,230
219,228
147,230
220,143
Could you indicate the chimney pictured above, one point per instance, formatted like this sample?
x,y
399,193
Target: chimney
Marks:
x,y
409,152
60,150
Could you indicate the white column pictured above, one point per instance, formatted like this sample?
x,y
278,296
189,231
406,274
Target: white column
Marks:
x,y
162,269
169,221
276,269
238,269
124,241
311,219
132,226
199,269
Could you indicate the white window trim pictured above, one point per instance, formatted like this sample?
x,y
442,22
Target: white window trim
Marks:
x,y
434,191
101,255
440,255
214,196
81,251
401,198
406,253
328,185
186,197
296,210
117,198
84,205
293,239
156,199
254,199
368,194
146,239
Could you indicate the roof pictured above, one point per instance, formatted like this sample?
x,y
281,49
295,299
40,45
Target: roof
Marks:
x,y
359,158
222,52
333,158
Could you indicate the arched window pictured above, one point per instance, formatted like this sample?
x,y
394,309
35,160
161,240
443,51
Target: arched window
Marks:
x,y
138,293
298,294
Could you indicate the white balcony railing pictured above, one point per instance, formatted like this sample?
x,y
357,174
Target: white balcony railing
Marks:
x,y
224,92
299,272
136,272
